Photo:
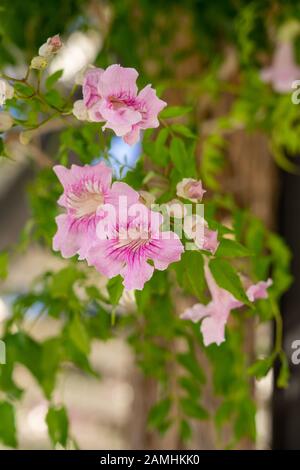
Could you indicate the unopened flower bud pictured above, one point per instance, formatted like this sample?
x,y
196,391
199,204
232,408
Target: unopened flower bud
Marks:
x,y
51,47
39,63
80,111
6,122
146,198
190,189
6,91
210,241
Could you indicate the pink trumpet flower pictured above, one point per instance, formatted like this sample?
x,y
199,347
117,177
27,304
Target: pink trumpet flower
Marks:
x,y
86,190
112,96
126,247
283,70
215,314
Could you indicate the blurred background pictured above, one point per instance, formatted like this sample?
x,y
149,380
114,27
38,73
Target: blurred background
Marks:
x,y
200,51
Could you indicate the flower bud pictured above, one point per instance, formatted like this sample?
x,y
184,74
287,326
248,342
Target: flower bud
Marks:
x,y
6,91
190,189
195,227
39,63
80,111
51,47
210,242
146,198
6,121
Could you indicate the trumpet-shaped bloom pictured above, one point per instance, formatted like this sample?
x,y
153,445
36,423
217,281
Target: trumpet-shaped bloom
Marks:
x,y
86,190
112,96
215,314
127,246
283,71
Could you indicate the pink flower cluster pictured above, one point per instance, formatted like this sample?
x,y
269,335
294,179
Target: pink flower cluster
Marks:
x,y
215,314
111,96
132,243
129,241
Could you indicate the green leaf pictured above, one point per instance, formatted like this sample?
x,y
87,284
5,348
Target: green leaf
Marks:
x,y
190,273
58,425
158,414
7,383
23,349
3,265
23,89
178,154
63,282
224,413
183,130
183,158
189,362
78,335
115,289
261,367
227,278
54,99
191,386
185,430
51,358
53,78
192,409
245,422
231,249
174,111
212,160
255,236
7,424
158,151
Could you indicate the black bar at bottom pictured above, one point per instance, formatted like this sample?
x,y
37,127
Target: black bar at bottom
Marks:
x,y
134,459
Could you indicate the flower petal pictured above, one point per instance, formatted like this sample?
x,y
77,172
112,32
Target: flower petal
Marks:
x,y
120,120
165,251
133,136
90,86
259,290
196,312
100,256
152,105
136,274
124,191
213,330
116,81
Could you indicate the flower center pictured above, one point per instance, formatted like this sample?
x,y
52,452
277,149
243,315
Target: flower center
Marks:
x,y
133,239
85,203
116,103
